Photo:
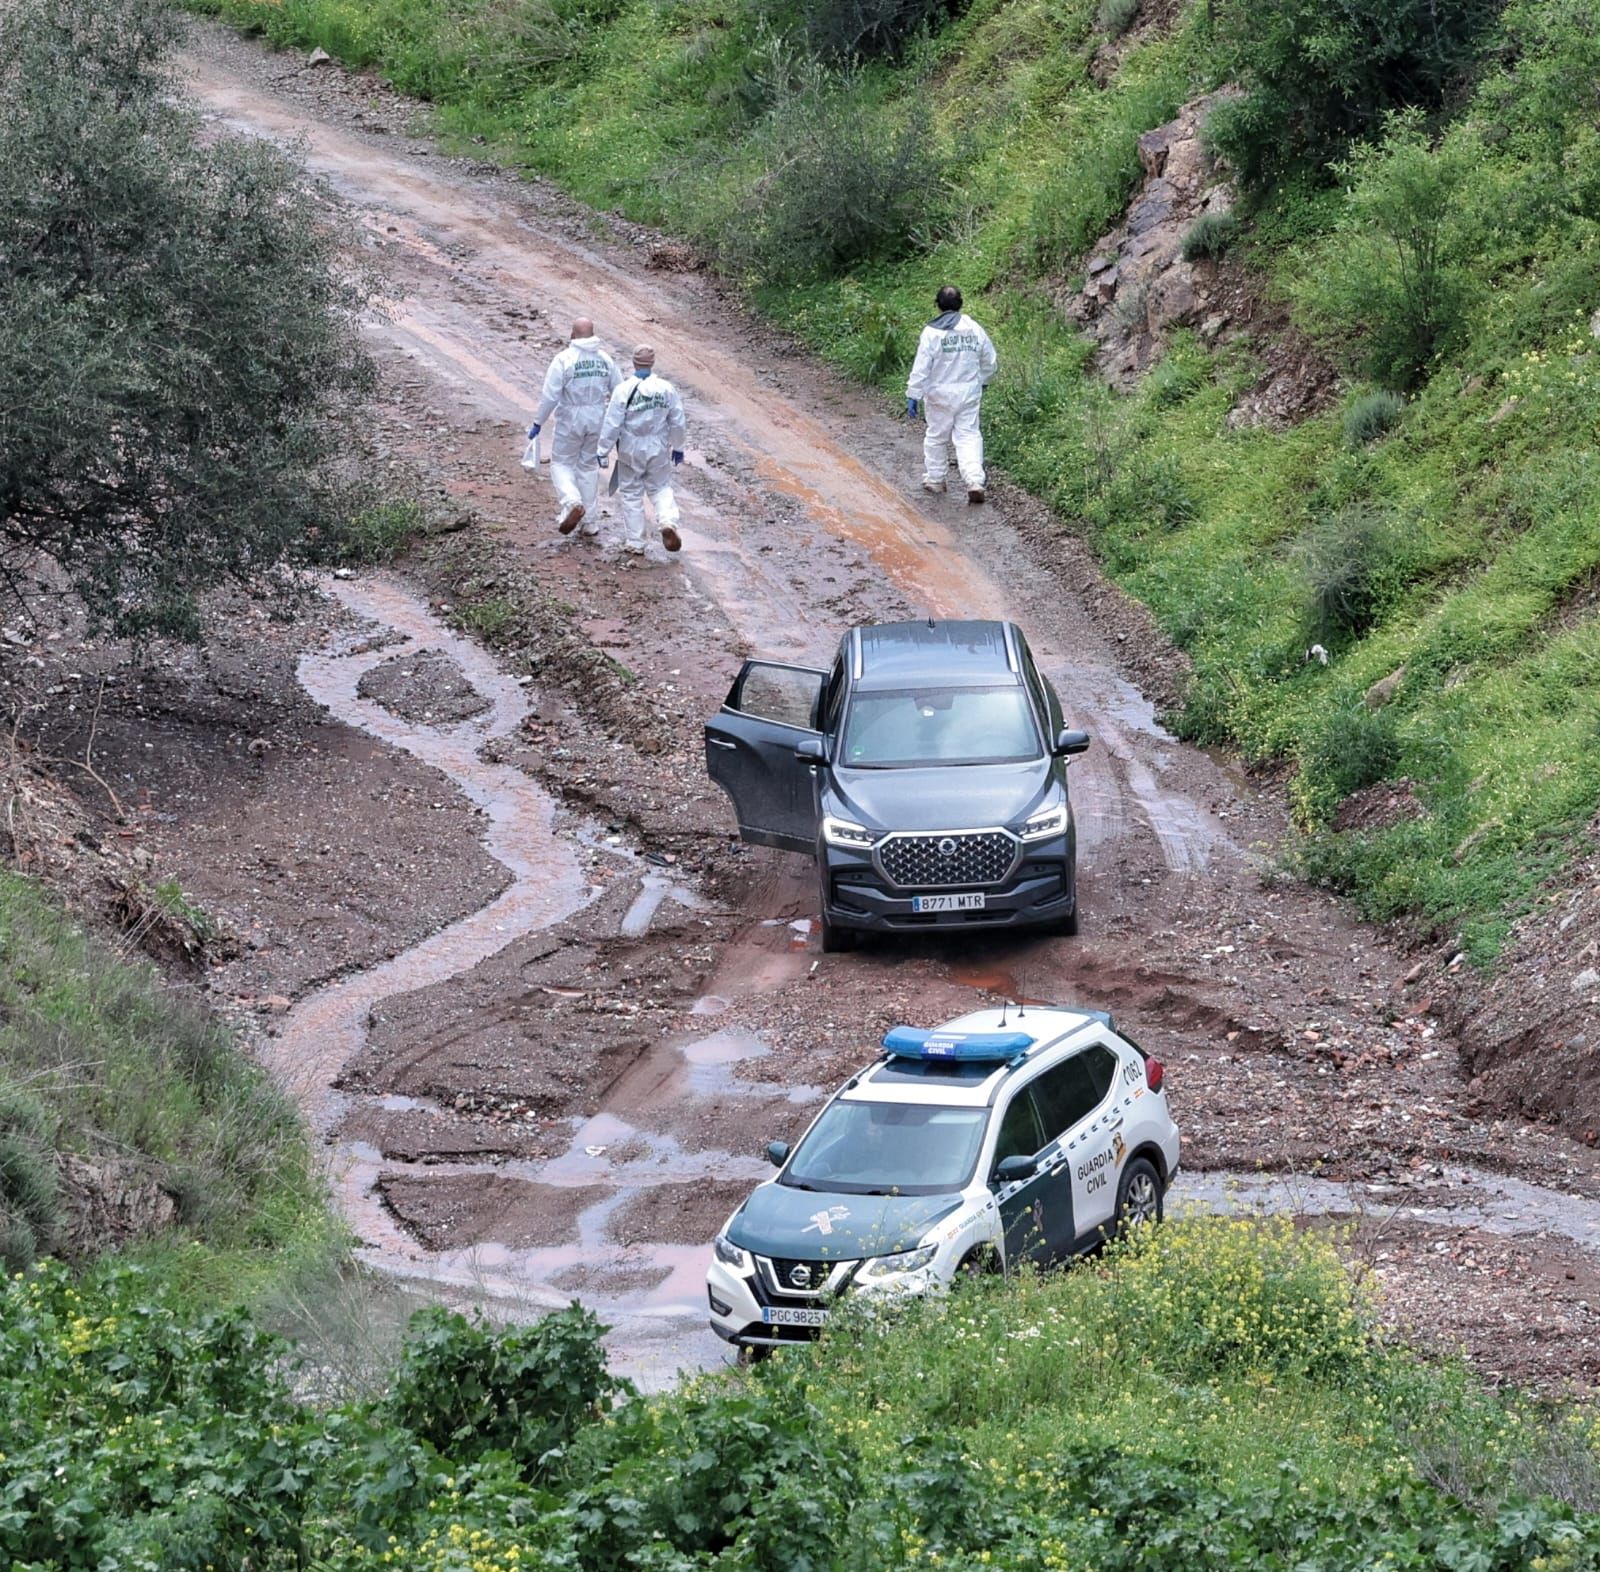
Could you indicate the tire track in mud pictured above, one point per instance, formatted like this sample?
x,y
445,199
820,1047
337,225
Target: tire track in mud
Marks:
x,y
659,1327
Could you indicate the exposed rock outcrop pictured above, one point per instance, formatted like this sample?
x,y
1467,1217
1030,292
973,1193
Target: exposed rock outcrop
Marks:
x,y
1138,287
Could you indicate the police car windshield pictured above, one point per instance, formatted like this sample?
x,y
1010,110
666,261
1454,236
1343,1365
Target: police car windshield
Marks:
x,y
865,1148
902,728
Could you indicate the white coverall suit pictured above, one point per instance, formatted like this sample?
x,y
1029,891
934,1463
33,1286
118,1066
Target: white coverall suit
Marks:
x,y
645,420
954,360
577,387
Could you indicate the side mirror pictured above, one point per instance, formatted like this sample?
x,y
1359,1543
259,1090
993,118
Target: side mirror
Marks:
x,y
812,751
1070,742
1010,1170
777,1153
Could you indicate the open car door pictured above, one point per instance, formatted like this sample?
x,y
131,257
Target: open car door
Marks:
x,y
770,710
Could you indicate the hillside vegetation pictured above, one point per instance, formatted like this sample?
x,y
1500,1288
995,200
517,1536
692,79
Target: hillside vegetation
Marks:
x,y
129,1117
1139,1415
1420,194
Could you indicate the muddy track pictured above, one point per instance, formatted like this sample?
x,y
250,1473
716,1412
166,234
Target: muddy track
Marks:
x,y
1293,1044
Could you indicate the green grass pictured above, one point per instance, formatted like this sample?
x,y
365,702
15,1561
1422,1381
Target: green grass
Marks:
x,y
676,117
99,1059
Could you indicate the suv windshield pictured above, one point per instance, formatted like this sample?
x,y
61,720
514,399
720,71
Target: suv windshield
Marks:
x,y
913,726
883,1148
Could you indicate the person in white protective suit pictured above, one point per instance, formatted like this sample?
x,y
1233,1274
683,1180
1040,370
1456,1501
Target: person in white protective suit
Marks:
x,y
955,359
645,421
577,388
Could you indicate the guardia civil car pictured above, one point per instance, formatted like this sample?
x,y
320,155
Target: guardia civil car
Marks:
x,y
1004,1136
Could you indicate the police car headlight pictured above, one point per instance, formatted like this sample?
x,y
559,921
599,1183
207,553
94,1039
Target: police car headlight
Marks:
x,y
1053,821
881,1266
727,1252
844,832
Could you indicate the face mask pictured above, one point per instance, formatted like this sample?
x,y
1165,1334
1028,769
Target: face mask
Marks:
x,y
641,372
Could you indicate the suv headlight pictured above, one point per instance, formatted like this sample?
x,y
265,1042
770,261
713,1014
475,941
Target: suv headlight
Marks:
x,y
727,1252
1048,822
882,1266
843,832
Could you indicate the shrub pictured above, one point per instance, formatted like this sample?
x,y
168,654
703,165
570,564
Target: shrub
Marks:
x,y
1371,416
179,335
1209,236
1345,749
842,32
1396,282
468,1388
1316,77
840,188
1351,563
1115,17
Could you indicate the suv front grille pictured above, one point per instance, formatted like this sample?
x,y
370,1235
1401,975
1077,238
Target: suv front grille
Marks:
x,y
943,861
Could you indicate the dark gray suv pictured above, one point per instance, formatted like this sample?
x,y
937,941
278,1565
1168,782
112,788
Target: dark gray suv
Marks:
x,y
926,772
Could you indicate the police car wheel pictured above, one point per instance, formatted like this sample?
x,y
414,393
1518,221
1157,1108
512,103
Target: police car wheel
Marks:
x,y
981,1262
1139,1198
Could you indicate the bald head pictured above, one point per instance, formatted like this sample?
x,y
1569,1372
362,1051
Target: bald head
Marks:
x,y
583,328
644,356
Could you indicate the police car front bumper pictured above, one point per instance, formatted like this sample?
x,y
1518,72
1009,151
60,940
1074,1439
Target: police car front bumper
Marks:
x,y
747,1311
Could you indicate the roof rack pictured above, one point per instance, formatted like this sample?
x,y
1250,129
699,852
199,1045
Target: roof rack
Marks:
x,y
916,1042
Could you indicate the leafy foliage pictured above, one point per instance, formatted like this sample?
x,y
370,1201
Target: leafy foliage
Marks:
x,y
176,335
468,1389
845,31
1352,566
1318,77
837,189
1006,1425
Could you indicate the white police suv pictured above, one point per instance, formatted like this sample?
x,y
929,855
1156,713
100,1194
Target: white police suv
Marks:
x,y
1004,1136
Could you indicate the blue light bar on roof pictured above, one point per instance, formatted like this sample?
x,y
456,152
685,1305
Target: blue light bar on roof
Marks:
x,y
916,1042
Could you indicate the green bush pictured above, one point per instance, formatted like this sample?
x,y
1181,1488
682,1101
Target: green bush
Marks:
x,y
1372,416
842,32
467,1388
180,354
1352,564
1397,282
1348,747
1006,1425
1209,236
1316,77
839,189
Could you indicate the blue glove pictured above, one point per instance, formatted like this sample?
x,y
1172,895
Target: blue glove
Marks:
x,y
677,455
533,431
911,409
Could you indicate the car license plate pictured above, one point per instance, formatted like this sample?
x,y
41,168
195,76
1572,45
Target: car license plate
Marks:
x,y
947,903
781,1315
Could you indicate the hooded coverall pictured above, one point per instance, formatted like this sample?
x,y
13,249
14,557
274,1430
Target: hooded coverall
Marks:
x,y
645,420
576,389
954,360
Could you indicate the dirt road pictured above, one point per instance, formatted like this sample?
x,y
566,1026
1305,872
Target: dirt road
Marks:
x,y
563,1090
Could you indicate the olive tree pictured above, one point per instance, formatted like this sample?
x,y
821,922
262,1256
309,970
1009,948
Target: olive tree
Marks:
x,y
179,336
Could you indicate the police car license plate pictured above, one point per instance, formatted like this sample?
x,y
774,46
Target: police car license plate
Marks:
x,y
947,903
782,1315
